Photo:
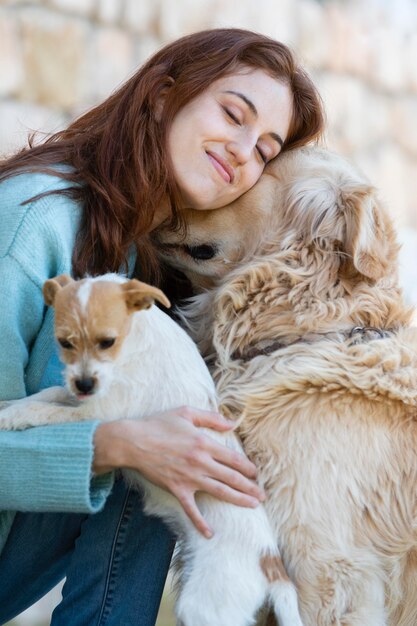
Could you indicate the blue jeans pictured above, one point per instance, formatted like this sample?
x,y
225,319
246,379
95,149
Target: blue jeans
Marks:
x,y
115,563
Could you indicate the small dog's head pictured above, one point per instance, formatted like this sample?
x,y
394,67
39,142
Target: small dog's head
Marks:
x,y
93,317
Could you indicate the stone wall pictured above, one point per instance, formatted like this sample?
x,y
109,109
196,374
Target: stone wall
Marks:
x,y
59,57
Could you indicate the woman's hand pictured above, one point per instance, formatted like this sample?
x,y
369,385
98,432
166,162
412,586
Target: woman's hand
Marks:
x,y
170,451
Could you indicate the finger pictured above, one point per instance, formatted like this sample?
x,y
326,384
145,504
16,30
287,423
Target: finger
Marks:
x,y
231,458
224,492
191,509
206,419
235,480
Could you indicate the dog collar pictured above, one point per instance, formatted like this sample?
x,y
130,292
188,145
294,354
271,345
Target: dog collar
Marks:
x,y
358,334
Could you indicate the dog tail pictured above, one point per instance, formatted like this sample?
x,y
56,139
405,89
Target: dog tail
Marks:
x,y
282,592
284,601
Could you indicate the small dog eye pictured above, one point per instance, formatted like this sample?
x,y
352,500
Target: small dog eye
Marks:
x,y
104,344
64,343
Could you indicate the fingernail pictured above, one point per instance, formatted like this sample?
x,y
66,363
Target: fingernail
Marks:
x,y
208,534
254,502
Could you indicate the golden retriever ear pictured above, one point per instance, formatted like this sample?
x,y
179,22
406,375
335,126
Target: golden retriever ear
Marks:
x,y
142,296
369,235
53,285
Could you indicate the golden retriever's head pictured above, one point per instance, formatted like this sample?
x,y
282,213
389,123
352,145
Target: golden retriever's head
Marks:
x,y
309,246
307,195
216,241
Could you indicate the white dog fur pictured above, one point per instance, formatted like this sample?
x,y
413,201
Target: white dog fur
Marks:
x,y
154,366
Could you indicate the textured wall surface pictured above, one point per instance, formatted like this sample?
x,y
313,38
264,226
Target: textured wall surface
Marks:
x,y
60,57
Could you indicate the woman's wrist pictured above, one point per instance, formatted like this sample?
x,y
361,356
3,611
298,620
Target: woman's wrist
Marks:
x,y
112,446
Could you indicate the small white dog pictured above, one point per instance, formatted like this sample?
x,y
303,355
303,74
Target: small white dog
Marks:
x,y
127,362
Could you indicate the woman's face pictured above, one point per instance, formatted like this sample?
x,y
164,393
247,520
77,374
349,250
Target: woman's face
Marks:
x,y
220,141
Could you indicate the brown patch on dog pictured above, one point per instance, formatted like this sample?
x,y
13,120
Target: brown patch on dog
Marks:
x,y
273,568
140,295
53,285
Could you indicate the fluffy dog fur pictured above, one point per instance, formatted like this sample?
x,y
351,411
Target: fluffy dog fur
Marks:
x,y
330,420
126,362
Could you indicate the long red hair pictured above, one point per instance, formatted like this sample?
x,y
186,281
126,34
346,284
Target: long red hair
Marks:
x,y
120,169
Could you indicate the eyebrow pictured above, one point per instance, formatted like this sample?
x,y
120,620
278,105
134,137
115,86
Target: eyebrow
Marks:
x,y
254,110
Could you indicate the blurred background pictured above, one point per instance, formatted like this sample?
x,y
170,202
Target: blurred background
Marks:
x,y
60,57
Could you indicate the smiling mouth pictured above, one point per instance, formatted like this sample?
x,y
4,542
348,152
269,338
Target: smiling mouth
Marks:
x,y
221,166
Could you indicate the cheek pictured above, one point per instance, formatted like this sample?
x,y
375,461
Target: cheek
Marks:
x,y
252,175
182,138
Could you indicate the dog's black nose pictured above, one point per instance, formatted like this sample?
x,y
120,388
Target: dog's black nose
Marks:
x,y
85,385
205,252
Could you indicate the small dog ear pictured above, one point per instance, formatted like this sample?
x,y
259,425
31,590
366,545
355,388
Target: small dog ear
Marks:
x,y
53,285
142,296
369,235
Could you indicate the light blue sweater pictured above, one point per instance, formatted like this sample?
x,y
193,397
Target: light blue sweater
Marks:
x,y
46,468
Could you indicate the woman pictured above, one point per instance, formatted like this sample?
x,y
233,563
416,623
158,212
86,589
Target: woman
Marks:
x,y
193,127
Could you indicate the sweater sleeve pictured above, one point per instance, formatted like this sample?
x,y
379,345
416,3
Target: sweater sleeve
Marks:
x,y
44,468
22,311
48,468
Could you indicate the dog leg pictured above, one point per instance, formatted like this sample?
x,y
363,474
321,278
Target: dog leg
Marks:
x,y
50,406
226,581
220,585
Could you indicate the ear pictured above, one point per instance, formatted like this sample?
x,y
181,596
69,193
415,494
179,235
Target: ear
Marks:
x,y
370,240
142,296
160,100
53,285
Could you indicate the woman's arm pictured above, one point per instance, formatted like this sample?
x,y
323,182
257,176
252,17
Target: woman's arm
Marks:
x,y
22,311
46,468
171,451
49,469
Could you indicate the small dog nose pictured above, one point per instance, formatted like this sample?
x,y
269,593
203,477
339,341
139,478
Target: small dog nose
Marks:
x,y
85,385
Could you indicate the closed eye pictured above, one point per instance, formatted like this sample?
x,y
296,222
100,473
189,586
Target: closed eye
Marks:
x,y
262,155
232,116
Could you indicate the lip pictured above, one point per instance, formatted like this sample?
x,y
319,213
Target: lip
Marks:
x,y
225,170
83,396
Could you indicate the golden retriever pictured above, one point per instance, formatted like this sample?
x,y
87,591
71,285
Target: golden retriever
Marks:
x,y
314,356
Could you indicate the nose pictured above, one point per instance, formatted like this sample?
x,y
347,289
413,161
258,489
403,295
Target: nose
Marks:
x,y
85,385
204,252
241,149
